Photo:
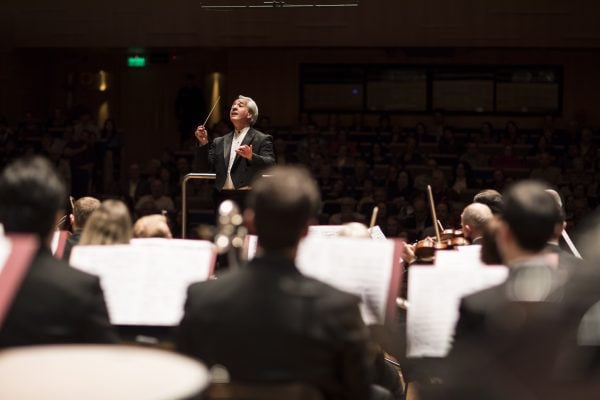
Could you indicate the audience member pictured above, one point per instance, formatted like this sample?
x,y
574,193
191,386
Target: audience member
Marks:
x,y
545,171
474,157
462,180
156,200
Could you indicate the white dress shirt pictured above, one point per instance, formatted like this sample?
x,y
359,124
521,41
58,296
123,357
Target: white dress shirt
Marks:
x,y
236,142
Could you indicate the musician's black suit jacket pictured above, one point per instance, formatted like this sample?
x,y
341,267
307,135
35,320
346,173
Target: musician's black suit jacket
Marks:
x,y
57,304
566,260
266,322
518,340
243,170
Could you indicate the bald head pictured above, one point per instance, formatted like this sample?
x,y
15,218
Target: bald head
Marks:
x,y
473,219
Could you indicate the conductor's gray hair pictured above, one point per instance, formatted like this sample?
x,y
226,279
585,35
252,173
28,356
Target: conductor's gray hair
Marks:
x,y
252,107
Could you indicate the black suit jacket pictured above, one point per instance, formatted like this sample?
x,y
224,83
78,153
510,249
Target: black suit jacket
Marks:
x,y
243,170
518,340
72,241
566,260
268,323
57,304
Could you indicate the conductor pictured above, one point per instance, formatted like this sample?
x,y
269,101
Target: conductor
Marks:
x,y
242,153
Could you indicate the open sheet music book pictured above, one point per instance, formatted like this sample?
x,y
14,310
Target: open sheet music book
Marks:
x,y
334,231
367,268
434,294
377,233
5,249
145,282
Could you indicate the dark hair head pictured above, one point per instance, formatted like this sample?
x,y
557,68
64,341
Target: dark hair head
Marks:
x,y
531,214
283,203
491,198
31,193
490,254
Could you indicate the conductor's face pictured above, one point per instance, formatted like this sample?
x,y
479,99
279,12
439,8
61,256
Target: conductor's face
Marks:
x,y
239,113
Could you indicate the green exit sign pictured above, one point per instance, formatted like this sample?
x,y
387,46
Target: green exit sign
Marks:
x,y
136,62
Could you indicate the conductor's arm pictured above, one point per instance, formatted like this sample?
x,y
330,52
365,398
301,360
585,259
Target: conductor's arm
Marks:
x,y
262,155
201,135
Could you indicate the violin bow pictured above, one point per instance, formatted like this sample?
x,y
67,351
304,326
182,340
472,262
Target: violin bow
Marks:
x,y
433,214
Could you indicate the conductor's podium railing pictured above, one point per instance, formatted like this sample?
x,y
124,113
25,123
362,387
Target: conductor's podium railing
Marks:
x,y
186,179
184,210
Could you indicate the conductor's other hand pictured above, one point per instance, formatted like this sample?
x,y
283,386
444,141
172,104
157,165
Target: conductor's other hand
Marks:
x,y
245,151
201,134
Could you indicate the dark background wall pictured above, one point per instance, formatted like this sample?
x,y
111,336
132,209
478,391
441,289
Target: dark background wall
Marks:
x,y
49,51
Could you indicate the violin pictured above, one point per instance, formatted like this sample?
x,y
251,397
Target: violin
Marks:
x,y
424,250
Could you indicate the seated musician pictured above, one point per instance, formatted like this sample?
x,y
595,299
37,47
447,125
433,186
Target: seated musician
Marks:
x,y
109,224
565,258
266,322
473,220
519,340
82,209
152,226
491,198
54,303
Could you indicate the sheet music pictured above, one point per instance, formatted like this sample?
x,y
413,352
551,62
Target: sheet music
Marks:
x,y
55,240
359,266
434,295
5,249
377,233
466,257
325,230
145,283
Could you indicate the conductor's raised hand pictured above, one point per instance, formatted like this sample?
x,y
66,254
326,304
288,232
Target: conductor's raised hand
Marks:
x,y
201,134
245,151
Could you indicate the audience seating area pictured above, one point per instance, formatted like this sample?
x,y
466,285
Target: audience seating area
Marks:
x,y
357,167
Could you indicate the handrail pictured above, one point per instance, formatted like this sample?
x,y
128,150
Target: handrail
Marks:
x,y
187,178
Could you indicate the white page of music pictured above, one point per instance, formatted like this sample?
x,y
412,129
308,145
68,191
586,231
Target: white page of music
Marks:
x,y
325,230
377,233
5,249
434,295
466,257
54,242
313,230
145,282
359,266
